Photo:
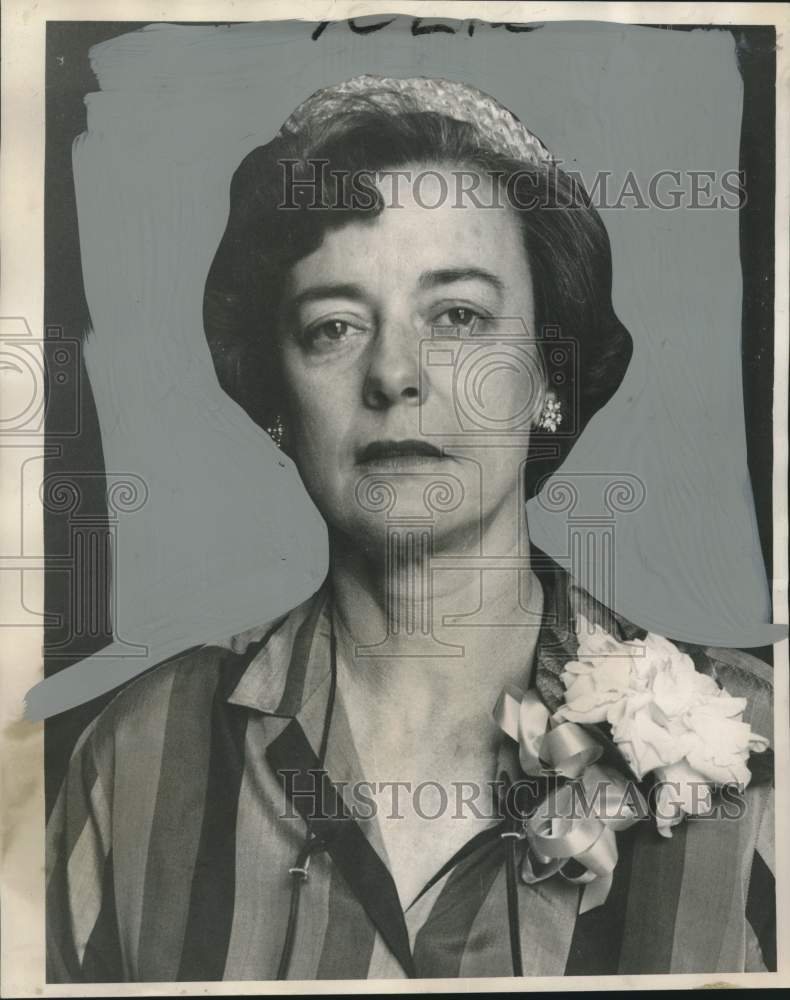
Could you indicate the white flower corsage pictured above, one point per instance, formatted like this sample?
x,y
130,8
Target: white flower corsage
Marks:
x,y
666,718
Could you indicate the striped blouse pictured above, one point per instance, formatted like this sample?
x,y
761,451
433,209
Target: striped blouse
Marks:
x,y
169,847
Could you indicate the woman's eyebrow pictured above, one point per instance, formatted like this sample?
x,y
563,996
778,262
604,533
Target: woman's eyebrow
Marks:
x,y
447,275
328,291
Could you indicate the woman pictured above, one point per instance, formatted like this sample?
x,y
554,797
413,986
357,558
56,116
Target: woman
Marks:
x,y
332,795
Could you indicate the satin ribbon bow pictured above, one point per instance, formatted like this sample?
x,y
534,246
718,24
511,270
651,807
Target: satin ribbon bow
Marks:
x,y
556,834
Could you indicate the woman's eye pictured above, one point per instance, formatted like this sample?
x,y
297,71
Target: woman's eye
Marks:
x,y
461,316
329,333
334,329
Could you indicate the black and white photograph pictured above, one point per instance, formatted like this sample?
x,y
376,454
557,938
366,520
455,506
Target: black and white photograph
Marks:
x,y
395,492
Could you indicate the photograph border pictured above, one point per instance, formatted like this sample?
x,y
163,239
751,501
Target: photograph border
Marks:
x,y
22,270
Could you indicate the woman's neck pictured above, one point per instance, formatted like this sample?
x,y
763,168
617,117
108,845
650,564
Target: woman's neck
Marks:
x,y
403,626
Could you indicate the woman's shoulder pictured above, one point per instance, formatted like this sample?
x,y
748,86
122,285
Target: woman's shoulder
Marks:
x,y
137,716
744,675
189,683
740,673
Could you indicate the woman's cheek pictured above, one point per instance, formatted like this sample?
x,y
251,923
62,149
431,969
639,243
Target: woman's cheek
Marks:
x,y
319,435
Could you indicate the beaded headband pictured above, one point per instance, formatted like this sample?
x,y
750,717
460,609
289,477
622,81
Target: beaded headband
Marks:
x,y
498,128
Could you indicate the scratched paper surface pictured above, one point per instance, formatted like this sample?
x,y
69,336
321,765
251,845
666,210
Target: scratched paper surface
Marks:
x,y
217,533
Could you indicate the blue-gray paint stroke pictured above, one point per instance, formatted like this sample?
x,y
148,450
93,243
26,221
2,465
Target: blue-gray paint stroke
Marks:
x,y
228,537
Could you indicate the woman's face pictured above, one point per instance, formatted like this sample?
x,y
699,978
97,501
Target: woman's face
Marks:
x,y
375,397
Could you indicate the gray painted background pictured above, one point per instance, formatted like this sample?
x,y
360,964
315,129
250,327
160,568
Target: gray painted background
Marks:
x,y
227,537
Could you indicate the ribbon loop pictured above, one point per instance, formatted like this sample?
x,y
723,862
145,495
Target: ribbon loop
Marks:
x,y
568,750
578,821
545,748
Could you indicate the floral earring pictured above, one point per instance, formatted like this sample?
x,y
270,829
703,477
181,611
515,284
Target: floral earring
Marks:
x,y
277,431
551,415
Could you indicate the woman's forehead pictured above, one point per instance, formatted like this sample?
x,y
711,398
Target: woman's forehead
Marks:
x,y
422,228
432,185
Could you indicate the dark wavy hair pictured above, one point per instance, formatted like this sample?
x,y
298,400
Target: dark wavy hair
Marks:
x,y
585,349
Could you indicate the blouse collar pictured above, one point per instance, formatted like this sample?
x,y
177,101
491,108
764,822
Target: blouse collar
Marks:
x,y
288,660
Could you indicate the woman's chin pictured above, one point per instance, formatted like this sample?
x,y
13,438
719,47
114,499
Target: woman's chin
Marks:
x,y
411,536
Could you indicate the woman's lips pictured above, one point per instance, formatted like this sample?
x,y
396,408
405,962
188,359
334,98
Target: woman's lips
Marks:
x,y
408,451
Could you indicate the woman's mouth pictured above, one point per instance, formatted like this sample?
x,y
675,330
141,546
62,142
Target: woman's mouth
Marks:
x,y
405,452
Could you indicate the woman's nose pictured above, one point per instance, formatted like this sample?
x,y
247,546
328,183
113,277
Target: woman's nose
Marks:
x,y
393,373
